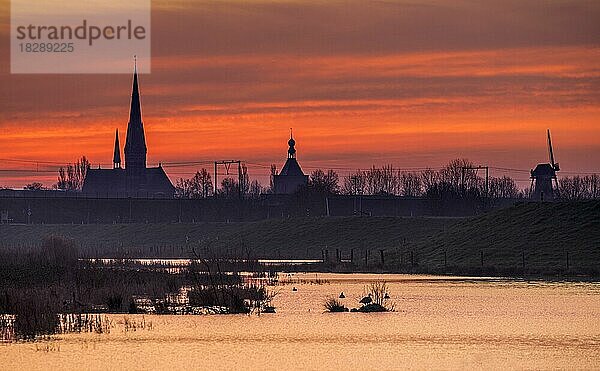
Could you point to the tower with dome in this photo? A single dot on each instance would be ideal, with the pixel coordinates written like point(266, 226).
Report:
point(291, 177)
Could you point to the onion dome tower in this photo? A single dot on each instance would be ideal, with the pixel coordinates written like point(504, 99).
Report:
point(291, 178)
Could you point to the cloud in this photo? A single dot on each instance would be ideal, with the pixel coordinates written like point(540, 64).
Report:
point(360, 81)
point(355, 26)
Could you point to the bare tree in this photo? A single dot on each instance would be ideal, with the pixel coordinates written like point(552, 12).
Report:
point(73, 176)
point(411, 184)
point(201, 184)
point(504, 187)
point(324, 182)
point(594, 186)
point(429, 179)
point(460, 176)
point(198, 186)
point(272, 178)
point(244, 180)
point(229, 188)
point(389, 180)
point(182, 188)
point(579, 188)
point(373, 180)
point(256, 189)
point(354, 184)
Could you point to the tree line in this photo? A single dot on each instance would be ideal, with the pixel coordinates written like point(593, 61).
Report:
point(70, 177)
point(456, 179)
point(200, 185)
point(579, 187)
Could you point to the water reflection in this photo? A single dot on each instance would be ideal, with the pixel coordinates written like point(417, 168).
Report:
point(439, 322)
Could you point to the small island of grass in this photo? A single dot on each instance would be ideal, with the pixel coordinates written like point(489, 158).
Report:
point(376, 299)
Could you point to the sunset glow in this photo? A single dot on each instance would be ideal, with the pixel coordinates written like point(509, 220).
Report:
point(385, 91)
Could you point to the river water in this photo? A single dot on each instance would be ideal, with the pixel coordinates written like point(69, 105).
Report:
point(439, 323)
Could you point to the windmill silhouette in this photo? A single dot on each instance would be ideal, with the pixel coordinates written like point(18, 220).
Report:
point(543, 176)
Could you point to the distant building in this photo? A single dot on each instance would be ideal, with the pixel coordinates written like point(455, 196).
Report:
point(291, 177)
point(135, 180)
point(543, 176)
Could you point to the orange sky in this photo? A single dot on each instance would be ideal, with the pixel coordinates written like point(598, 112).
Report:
point(412, 84)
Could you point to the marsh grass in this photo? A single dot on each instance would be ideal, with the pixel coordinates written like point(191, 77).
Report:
point(334, 305)
point(7, 327)
point(131, 324)
point(49, 290)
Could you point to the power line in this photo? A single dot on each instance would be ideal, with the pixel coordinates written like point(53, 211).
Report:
point(30, 161)
point(185, 164)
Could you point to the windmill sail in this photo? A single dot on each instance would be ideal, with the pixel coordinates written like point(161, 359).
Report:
point(551, 153)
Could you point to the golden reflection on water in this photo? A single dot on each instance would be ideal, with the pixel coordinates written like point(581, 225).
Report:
point(441, 323)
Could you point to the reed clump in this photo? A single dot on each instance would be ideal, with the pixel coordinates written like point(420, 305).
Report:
point(213, 288)
point(335, 306)
point(49, 289)
point(376, 299)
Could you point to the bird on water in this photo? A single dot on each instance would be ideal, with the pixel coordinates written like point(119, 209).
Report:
point(366, 300)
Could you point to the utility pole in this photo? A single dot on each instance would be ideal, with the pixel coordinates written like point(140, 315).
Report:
point(227, 165)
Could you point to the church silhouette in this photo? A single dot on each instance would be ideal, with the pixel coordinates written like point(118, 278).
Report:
point(135, 180)
point(291, 178)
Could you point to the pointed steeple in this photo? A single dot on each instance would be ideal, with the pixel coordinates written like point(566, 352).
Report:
point(117, 153)
point(135, 144)
point(135, 113)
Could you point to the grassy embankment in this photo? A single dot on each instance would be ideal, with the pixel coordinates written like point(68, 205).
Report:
point(530, 238)
point(290, 238)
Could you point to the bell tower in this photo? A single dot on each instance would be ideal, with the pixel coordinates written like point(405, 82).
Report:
point(292, 144)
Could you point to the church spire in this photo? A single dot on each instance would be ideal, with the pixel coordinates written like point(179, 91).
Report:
point(135, 143)
point(291, 143)
point(135, 112)
point(117, 153)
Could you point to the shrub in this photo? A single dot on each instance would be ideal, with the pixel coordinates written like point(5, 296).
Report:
point(334, 305)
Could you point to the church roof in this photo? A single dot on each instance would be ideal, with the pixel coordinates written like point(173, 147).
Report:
point(151, 182)
point(105, 181)
point(156, 178)
point(291, 168)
